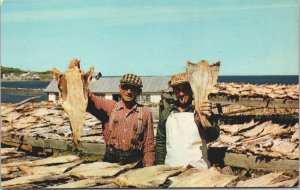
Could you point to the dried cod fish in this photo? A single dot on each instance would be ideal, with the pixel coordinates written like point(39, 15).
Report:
point(45, 161)
point(202, 78)
point(12, 155)
point(202, 178)
point(5, 129)
point(250, 90)
point(283, 147)
point(41, 112)
point(92, 121)
point(90, 182)
point(268, 180)
point(6, 171)
point(257, 129)
point(31, 179)
point(148, 177)
point(236, 128)
point(7, 151)
point(229, 139)
point(295, 136)
point(56, 169)
point(54, 120)
point(12, 116)
point(274, 130)
point(73, 89)
point(19, 126)
point(55, 160)
point(98, 169)
point(5, 110)
point(287, 183)
point(295, 154)
point(64, 130)
point(39, 128)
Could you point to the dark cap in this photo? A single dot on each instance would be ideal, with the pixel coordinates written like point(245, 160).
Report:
point(132, 79)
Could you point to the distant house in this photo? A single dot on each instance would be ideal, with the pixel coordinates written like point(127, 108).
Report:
point(108, 88)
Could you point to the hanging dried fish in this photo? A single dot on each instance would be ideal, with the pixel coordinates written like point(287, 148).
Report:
point(202, 78)
point(73, 89)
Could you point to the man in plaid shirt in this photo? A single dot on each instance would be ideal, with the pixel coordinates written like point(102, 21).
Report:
point(127, 125)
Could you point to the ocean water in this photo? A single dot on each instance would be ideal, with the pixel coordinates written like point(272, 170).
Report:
point(25, 84)
point(17, 95)
point(19, 85)
point(15, 98)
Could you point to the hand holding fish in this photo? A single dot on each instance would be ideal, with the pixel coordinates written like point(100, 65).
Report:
point(205, 109)
point(202, 77)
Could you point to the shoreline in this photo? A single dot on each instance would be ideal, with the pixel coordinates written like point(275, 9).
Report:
point(23, 91)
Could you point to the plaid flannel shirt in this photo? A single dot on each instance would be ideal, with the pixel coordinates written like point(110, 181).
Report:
point(123, 135)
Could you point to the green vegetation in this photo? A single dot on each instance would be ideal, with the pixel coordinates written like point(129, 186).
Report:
point(45, 72)
point(45, 75)
point(8, 70)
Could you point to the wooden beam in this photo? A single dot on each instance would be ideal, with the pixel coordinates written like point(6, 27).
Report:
point(27, 100)
point(21, 146)
point(55, 144)
point(260, 163)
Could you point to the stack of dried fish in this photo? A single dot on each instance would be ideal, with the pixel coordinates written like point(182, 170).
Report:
point(274, 91)
point(241, 110)
point(260, 138)
point(72, 172)
point(7, 153)
point(49, 121)
point(45, 120)
point(250, 99)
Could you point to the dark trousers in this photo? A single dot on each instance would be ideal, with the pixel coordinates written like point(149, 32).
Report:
point(123, 157)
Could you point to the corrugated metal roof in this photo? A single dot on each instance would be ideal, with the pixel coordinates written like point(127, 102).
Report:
point(111, 84)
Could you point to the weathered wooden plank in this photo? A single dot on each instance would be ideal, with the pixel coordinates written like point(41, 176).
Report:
point(24, 147)
point(259, 163)
point(255, 102)
point(27, 100)
point(93, 148)
point(65, 145)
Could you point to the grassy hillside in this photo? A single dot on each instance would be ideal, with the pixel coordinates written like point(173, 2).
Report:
point(45, 75)
point(7, 70)
point(19, 71)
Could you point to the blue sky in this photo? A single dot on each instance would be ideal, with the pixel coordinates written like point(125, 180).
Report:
point(249, 37)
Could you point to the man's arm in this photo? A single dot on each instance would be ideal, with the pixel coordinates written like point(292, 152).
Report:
point(208, 133)
point(149, 153)
point(160, 146)
point(99, 107)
